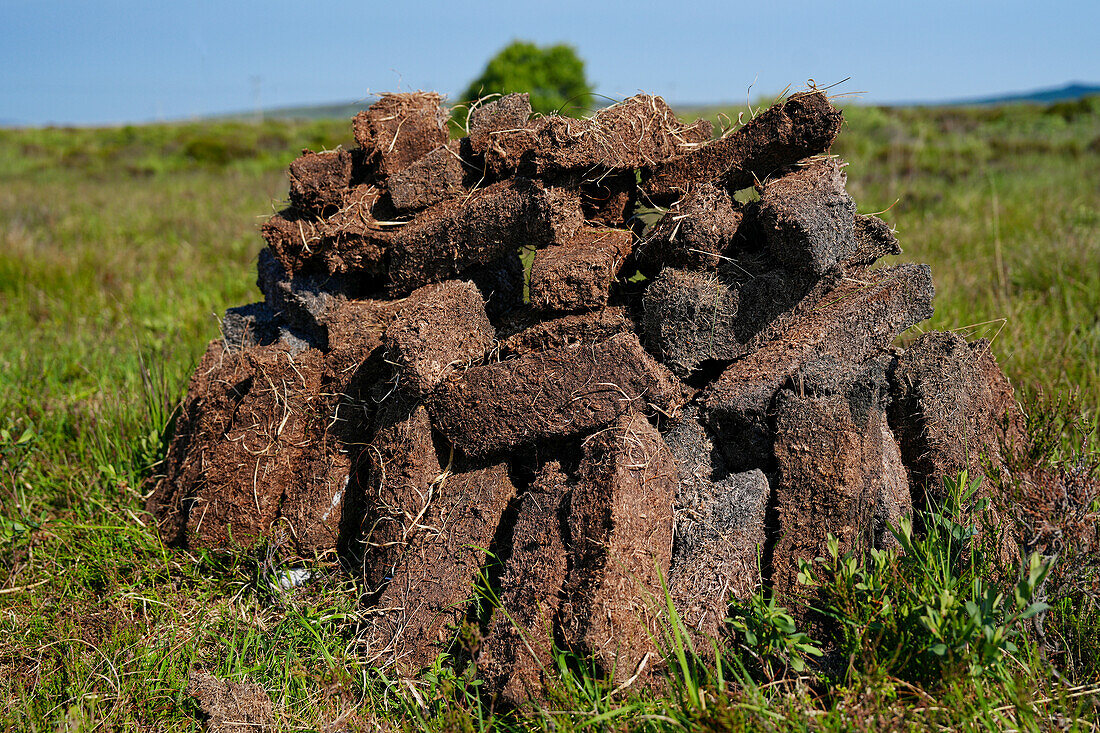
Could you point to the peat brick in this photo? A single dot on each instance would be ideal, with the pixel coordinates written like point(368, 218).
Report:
point(551, 394)
point(691, 317)
point(836, 465)
point(349, 241)
point(433, 178)
point(953, 409)
point(446, 239)
point(808, 218)
point(518, 648)
point(320, 182)
point(506, 114)
point(639, 132)
point(432, 578)
point(697, 233)
point(251, 453)
point(620, 526)
point(439, 328)
point(577, 274)
point(527, 332)
point(400, 129)
point(804, 124)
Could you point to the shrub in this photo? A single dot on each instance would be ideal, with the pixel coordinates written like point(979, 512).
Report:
point(552, 75)
point(928, 611)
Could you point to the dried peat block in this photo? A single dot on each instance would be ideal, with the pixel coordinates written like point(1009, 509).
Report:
point(691, 317)
point(231, 707)
point(517, 649)
point(719, 529)
point(433, 178)
point(620, 526)
point(507, 113)
point(639, 132)
point(696, 233)
point(251, 448)
point(577, 274)
point(552, 394)
point(804, 124)
point(853, 322)
point(835, 463)
point(874, 239)
point(452, 236)
point(400, 129)
point(808, 217)
point(953, 409)
point(245, 326)
point(439, 328)
point(895, 500)
point(310, 475)
point(352, 240)
point(300, 302)
point(437, 563)
point(402, 470)
point(528, 333)
point(320, 181)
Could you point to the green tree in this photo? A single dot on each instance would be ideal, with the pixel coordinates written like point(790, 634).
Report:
point(552, 75)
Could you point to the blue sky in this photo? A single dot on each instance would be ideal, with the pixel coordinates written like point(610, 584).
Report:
point(64, 61)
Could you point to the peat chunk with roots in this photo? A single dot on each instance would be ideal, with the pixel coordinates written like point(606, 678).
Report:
point(577, 274)
point(609, 200)
point(251, 460)
point(874, 239)
point(553, 394)
point(835, 461)
point(697, 233)
point(439, 329)
point(620, 527)
point(517, 652)
point(508, 113)
point(302, 302)
point(320, 181)
point(400, 129)
point(719, 529)
point(528, 333)
point(350, 241)
point(953, 410)
point(403, 470)
point(445, 240)
point(639, 132)
point(436, 565)
point(231, 707)
point(433, 178)
point(808, 218)
point(690, 318)
point(804, 124)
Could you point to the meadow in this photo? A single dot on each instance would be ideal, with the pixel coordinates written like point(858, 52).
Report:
point(119, 249)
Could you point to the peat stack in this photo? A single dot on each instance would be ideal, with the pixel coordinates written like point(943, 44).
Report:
point(477, 363)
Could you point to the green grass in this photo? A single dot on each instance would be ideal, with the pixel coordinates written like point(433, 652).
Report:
point(118, 249)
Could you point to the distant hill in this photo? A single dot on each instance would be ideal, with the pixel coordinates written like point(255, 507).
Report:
point(314, 112)
point(345, 110)
point(1068, 93)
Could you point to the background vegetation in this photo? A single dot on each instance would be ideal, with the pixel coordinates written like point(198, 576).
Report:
point(120, 247)
point(552, 75)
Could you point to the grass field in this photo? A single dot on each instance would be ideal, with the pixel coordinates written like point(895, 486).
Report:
point(118, 249)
